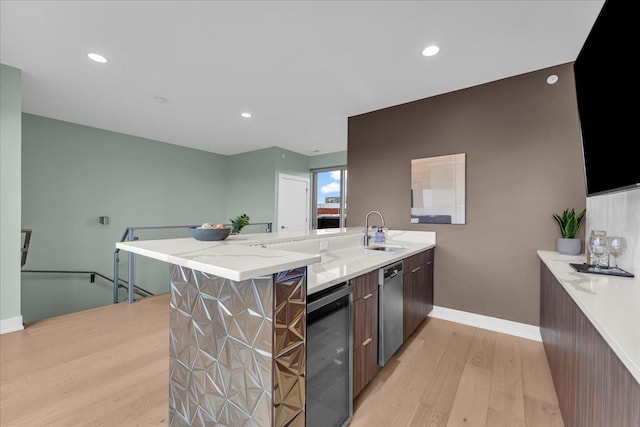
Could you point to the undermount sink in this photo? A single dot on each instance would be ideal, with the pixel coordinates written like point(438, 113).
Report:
point(387, 248)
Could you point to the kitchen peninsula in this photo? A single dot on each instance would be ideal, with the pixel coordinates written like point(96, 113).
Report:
point(237, 316)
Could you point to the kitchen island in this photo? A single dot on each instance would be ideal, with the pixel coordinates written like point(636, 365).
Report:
point(237, 317)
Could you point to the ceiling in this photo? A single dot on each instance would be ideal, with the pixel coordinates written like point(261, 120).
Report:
point(301, 68)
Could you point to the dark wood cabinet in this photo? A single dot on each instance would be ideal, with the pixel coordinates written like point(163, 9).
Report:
point(417, 304)
point(365, 329)
point(410, 299)
point(428, 296)
point(594, 387)
point(417, 285)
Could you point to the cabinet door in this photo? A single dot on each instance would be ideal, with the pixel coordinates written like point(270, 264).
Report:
point(621, 393)
point(365, 318)
point(407, 305)
point(417, 290)
point(423, 282)
point(359, 370)
point(593, 387)
point(365, 284)
point(419, 274)
point(428, 284)
point(365, 330)
point(365, 359)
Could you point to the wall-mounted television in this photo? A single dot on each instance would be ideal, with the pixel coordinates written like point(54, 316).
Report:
point(606, 86)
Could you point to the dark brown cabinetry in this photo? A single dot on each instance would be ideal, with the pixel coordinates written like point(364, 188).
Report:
point(417, 290)
point(594, 387)
point(365, 329)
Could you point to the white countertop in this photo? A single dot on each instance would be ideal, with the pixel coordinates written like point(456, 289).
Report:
point(343, 264)
point(220, 258)
point(332, 256)
point(611, 303)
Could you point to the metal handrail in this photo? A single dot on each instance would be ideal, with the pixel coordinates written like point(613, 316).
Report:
point(137, 289)
point(129, 235)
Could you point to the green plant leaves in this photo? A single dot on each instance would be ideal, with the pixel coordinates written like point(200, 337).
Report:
point(569, 222)
point(238, 223)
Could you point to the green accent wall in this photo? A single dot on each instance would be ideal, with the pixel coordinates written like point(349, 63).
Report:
point(328, 160)
point(10, 193)
point(253, 178)
point(73, 174)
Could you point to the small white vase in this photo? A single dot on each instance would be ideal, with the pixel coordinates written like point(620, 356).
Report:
point(568, 246)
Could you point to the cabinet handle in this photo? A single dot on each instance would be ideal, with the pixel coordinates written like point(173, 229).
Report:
point(416, 269)
point(366, 342)
point(367, 296)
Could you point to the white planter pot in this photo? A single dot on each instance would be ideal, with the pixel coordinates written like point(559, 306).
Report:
point(568, 246)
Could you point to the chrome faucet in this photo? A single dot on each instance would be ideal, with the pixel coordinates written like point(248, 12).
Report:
point(366, 226)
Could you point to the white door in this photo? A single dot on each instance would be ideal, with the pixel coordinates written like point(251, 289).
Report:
point(293, 203)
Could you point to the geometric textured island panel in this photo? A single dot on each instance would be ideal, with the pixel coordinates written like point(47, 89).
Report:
point(289, 347)
point(223, 367)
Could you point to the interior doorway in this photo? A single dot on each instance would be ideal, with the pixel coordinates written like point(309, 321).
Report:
point(293, 203)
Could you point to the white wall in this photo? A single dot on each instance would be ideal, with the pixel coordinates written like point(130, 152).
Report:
point(618, 214)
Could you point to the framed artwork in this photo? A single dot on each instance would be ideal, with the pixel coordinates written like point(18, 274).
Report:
point(438, 189)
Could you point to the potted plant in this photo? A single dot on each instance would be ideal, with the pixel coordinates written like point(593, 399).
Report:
point(238, 223)
point(569, 223)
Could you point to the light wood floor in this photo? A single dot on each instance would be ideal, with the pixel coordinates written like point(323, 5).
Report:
point(103, 367)
point(109, 367)
point(449, 374)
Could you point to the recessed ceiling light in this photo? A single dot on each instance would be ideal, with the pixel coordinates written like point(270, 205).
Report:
point(160, 99)
point(430, 50)
point(96, 57)
point(552, 79)
point(246, 115)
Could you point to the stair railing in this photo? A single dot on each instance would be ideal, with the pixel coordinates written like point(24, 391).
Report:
point(92, 278)
point(116, 284)
point(129, 235)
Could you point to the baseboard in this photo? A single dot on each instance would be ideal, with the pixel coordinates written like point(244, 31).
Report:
point(12, 324)
point(495, 324)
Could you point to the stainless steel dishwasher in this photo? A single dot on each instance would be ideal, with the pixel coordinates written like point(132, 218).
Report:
point(389, 311)
point(329, 400)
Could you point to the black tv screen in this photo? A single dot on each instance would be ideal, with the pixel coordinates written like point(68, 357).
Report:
point(606, 86)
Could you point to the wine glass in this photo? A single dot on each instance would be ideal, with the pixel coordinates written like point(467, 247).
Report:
point(617, 246)
point(598, 248)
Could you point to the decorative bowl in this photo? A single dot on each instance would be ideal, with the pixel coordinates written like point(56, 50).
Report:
point(210, 234)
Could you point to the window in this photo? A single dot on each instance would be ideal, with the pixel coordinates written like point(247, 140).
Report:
point(329, 205)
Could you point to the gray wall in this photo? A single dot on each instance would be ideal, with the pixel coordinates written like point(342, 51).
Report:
point(10, 193)
point(524, 163)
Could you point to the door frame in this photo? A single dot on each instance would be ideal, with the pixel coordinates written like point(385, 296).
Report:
point(307, 181)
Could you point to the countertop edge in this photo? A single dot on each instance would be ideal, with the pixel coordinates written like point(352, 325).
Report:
point(400, 255)
point(293, 260)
